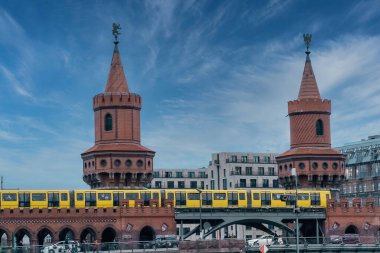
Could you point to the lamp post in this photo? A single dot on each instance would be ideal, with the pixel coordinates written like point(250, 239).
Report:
point(294, 173)
point(200, 214)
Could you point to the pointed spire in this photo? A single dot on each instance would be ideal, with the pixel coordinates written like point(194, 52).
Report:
point(309, 88)
point(117, 82)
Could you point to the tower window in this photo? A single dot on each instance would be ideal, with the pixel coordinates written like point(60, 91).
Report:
point(108, 122)
point(319, 127)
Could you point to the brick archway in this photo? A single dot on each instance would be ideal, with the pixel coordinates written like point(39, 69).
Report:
point(4, 237)
point(66, 232)
point(88, 234)
point(43, 233)
point(351, 229)
point(20, 234)
point(147, 233)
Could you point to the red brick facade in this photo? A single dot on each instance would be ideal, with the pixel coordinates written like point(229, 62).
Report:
point(316, 163)
point(118, 160)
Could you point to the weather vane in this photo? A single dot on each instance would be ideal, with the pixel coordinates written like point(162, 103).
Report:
point(116, 31)
point(307, 40)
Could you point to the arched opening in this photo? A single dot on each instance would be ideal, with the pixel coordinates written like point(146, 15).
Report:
point(319, 127)
point(108, 122)
point(44, 237)
point(3, 238)
point(66, 234)
point(147, 234)
point(351, 229)
point(22, 237)
point(88, 235)
point(109, 235)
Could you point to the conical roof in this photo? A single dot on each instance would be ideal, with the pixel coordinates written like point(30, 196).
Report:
point(309, 88)
point(117, 82)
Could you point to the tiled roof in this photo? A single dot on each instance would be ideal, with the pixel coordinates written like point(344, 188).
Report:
point(309, 88)
point(118, 147)
point(117, 82)
point(310, 151)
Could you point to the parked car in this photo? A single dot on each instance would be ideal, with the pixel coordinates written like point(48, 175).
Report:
point(61, 247)
point(351, 238)
point(265, 240)
point(165, 241)
point(336, 239)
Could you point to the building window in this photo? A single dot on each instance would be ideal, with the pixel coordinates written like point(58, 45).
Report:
point(261, 171)
point(315, 165)
point(157, 184)
point(256, 159)
point(243, 183)
point(244, 159)
point(212, 185)
point(237, 170)
point(253, 183)
point(103, 163)
point(265, 183)
point(139, 163)
point(319, 127)
point(203, 184)
point(202, 174)
point(212, 174)
point(117, 163)
point(156, 174)
point(224, 184)
point(301, 166)
point(191, 174)
point(325, 166)
point(128, 163)
point(234, 159)
point(275, 183)
point(193, 185)
point(266, 159)
point(108, 122)
point(170, 184)
point(224, 172)
point(179, 174)
point(181, 184)
point(248, 170)
point(271, 171)
point(168, 174)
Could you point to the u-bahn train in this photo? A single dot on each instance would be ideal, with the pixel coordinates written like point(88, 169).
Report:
point(180, 198)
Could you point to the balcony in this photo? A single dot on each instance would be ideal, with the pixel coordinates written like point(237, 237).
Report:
point(255, 187)
point(254, 173)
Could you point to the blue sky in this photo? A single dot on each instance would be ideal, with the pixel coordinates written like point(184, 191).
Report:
point(214, 76)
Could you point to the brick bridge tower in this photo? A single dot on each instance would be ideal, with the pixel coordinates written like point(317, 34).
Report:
point(117, 160)
point(317, 164)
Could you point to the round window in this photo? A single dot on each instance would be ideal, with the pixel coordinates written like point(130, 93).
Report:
point(325, 166)
point(128, 163)
point(301, 166)
point(139, 163)
point(335, 166)
point(315, 165)
point(117, 163)
point(103, 163)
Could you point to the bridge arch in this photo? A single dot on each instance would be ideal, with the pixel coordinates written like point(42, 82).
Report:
point(109, 234)
point(351, 229)
point(4, 237)
point(147, 233)
point(66, 232)
point(88, 234)
point(23, 236)
point(45, 235)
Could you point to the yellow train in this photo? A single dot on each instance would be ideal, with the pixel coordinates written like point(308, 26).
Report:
point(181, 198)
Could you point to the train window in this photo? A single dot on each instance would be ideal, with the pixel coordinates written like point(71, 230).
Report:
point(265, 198)
point(193, 196)
point(90, 199)
point(104, 196)
point(38, 196)
point(9, 196)
point(24, 199)
point(256, 196)
point(276, 196)
point(180, 198)
point(132, 196)
point(155, 195)
point(303, 196)
point(170, 195)
point(80, 196)
point(290, 199)
point(220, 196)
point(242, 196)
point(53, 199)
point(64, 196)
point(206, 198)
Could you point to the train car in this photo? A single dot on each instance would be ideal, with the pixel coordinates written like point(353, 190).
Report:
point(11, 199)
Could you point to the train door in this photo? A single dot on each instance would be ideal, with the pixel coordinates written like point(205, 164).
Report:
point(180, 199)
point(207, 199)
point(53, 199)
point(315, 199)
point(146, 196)
point(131, 197)
point(265, 199)
point(90, 198)
point(243, 200)
point(117, 196)
point(24, 199)
point(232, 199)
point(256, 202)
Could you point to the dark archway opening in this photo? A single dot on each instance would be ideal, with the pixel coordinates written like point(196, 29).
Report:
point(147, 234)
point(66, 234)
point(44, 236)
point(109, 235)
point(22, 237)
point(88, 235)
point(3, 238)
point(351, 229)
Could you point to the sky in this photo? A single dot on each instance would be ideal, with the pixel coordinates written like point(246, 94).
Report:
point(214, 75)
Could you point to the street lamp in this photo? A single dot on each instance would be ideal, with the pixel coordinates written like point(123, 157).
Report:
point(200, 213)
point(296, 210)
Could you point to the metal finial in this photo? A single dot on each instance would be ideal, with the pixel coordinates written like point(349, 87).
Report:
point(116, 31)
point(307, 40)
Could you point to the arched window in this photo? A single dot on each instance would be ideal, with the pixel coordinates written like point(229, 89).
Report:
point(319, 127)
point(108, 122)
